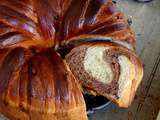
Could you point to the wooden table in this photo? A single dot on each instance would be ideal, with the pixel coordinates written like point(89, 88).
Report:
point(146, 23)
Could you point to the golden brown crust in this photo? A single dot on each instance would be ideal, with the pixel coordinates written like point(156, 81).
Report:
point(28, 19)
point(39, 88)
point(27, 91)
point(28, 24)
point(102, 18)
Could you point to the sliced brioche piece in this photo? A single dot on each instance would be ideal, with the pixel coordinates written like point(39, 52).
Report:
point(107, 69)
point(38, 87)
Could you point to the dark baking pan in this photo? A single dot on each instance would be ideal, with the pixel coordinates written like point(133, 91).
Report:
point(95, 103)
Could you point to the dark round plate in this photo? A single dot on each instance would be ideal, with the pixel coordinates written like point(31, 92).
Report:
point(95, 103)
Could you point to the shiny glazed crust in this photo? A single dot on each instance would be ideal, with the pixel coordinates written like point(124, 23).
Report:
point(26, 23)
point(38, 87)
point(31, 33)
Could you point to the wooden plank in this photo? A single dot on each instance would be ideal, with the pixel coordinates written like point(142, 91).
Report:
point(146, 22)
point(150, 106)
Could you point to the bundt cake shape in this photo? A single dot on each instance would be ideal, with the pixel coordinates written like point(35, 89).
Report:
point(36, 83)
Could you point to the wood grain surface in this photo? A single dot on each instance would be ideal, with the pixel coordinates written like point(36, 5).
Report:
point(146, 23)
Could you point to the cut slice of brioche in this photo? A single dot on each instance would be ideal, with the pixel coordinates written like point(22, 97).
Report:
point(107, 69)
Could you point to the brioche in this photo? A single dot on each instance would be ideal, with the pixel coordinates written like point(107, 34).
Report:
point(38, 87)
point(50, 50)
point(107, 69)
